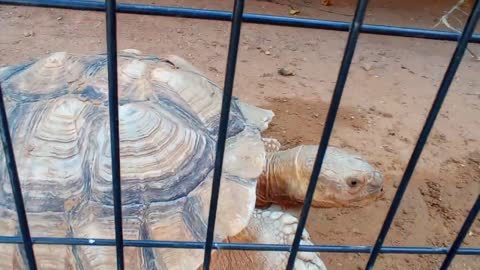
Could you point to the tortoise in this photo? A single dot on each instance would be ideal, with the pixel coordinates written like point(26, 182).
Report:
point(57, 108)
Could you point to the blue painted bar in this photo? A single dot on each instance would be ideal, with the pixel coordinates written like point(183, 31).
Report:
point(329, 122)
point(16, 187)
point(461, 234)
point(432, 115)
point(222, 130)
point(111, 18)
point(236, 246)
point(247, 17)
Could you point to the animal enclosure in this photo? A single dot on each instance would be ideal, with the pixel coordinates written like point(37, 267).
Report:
point(238, 17)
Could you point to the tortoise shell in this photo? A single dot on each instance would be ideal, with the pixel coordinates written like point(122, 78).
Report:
point(57, 109)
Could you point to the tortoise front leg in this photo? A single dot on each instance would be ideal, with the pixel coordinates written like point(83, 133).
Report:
point(266, 227)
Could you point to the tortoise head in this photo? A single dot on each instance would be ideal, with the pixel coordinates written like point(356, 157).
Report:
point(346, 180)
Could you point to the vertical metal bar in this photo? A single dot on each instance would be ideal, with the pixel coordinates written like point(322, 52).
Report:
point(432, 115)
point(114, 131)
point(222, 130)
point(461, 234)
point(16, 187)
point(329, 122)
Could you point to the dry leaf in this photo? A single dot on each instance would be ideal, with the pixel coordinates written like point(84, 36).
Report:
point(327, 2)
point(293, 11)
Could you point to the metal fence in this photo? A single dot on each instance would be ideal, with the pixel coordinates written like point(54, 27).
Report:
point(237, 17)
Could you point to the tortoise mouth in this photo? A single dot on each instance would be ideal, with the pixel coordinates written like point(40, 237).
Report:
point(357, 202)
point(364, 201)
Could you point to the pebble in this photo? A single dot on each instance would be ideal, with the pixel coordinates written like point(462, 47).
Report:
point(367, 66)
point(284, 71)
point(28, 33)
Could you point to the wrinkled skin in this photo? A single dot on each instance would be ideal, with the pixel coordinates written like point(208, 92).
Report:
point(346, 180)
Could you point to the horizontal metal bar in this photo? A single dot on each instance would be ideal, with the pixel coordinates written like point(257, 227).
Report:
point(461, 234)
point(236, 246)
point(247, 18)
point(329, 123)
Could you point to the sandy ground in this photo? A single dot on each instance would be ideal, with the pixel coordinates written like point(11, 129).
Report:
point(391, 85)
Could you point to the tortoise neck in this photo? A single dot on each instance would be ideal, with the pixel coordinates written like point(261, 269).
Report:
point(278, 175)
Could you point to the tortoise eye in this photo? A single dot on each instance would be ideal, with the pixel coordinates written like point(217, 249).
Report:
point(353, 182)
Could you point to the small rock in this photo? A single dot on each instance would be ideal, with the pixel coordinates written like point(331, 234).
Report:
point(284, 71)
point(28, 33)
point(395, 184)
point(315, 115)
point(367, 66)
point(179, 31)
point(59, 18)
point(268, 52)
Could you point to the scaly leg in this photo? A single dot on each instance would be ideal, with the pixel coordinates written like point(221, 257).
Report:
point(267, 227)
point(271, 144)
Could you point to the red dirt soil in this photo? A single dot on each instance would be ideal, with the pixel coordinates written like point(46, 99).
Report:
point(392, 83)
